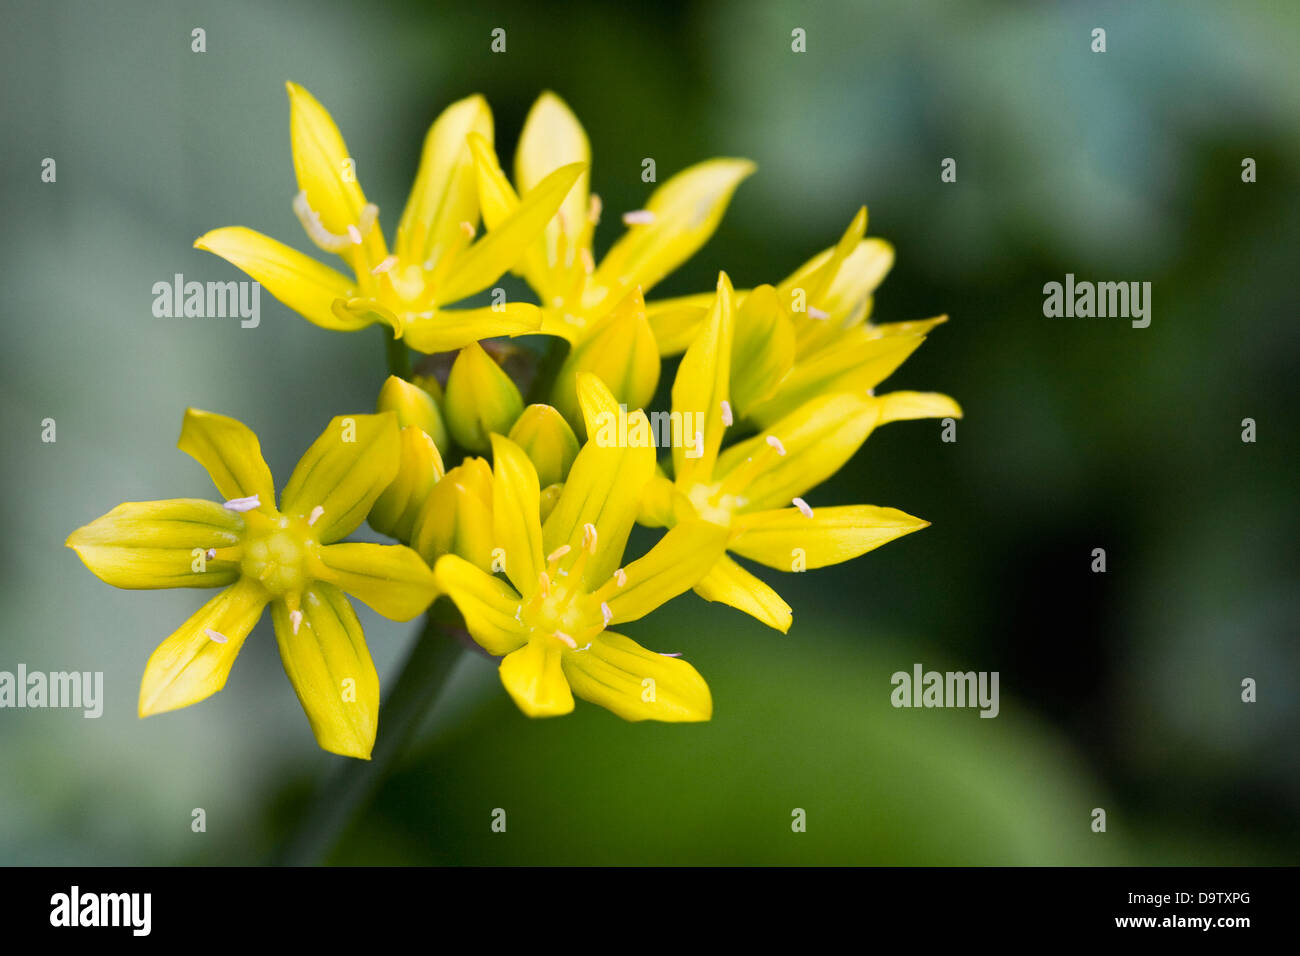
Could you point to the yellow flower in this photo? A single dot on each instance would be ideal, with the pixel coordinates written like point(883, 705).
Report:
point(568, 587)
point(435, 261)
point(754, 488)
point(577, 295)
point(809, 336)
point(286, 557)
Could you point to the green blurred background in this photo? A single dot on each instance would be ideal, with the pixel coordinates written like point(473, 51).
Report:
point(1119, 690)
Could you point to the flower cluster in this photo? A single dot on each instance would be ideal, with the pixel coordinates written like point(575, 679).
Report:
point(774, 392)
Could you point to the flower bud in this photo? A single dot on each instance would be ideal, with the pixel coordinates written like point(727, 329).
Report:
point(481, 399)
point(415, 405)
point(547, 440)
point(456, 517)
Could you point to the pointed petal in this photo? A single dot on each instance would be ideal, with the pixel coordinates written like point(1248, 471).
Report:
point(299, 281)
point(390, 579)
point(603, 488)
point(676, 322)
point(230, 453)
point(656, 510)
point(907, 406)
point(552, 137)
point(489, 605)
point(321, 161)
point(703, 384)
point(445, 193)
point(355, 458)
point(830, 536)
point(729, 583)
point(535, 679)
point(329, 665)
point(516, 514)
point(622, 676)
point(548, 441)
point(395, 510)
point(686, 210)
point(818, 438)
point(502, 248)
point(447, 329)
point(673, 566)
point(456, 518)
point(153, 544)
point(190, 665)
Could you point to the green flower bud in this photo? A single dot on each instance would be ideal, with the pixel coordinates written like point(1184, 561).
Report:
point(547, 440)
point(414, 405)
point(481, 399)
point(456, 517)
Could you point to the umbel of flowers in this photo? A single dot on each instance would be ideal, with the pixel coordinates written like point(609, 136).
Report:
point(520, 514)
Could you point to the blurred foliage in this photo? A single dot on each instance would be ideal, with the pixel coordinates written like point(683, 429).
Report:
point(1119, 690)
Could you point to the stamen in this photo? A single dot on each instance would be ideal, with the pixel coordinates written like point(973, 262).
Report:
point(638, 217)
point(215, 635)
point(315, 515)
point(802, 505)
point(816, 313)
point(673, 654)
point(588, 263)
point(468, 229)
point(558, 553)
point(544, 584)
point(212, 554)
point(589, 537)
point(385, 265)
point(620, 577)
point(594, 208)
point(776, 444)
point(355, 234)
point(727, 418)
point(243, 504)
point(606, 613)
point(566, 639)
point(295, 617)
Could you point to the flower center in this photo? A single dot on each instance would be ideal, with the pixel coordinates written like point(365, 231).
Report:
point(279, 555)
point(561, 609)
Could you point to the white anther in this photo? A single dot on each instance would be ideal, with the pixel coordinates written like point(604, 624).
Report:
point(727, 418)
point(385, 265)
point(467, 228)
point(620, 577)
point(589, 537)
point(315, 515)
point(212, 554)
point(606, 613)
point(355, 234)
point(816, 313)
point(776, 445)
point(594, 207)
point(558, 553)
point(215, 635)
point(673, 654)
point(638, 217)
point(295, 618)
point(243, 504)
point(588, 263)
point(566, 639)
point(802, 505)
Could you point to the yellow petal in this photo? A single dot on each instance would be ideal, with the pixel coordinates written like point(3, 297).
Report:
point(552, 137)
point(389, 578)
point(686, 210)
point(489, 605)
point(516, 508)
point(674, 565)
point(535, 680)
point(499, 202)
point(763, 350)
point(161, 544)
point(818, 439)
point(456, 518)
point(322, 163)
point(548, 441)
point(656, 510)
point(395, 510)
point(702, 385)
point(911, 327)
point(622, 676)
point(299, 281)
point(603, 488)
point(191, 664)
point(907, 406)
point(502, 248)
point(445, 193)
point(728, 583)
point(786, 537)
point(676, 322)
point(331, 671)
point(355, 458)
point(231, 454)
point(481, 399)
point(621, 352)
point(444, 330)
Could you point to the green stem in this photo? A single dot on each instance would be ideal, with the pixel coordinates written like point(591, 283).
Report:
point(350, 789)
point(399, 356)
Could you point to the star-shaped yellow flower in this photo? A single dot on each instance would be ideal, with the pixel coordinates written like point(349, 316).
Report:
point(435, 261)
point(551, 627)
point(286, 557)
point(754, 488)
point(578, 295)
